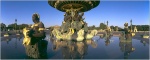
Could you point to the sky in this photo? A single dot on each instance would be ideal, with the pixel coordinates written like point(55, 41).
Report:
point(115, 12)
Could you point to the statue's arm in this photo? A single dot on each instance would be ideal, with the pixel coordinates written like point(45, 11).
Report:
point(41, 31)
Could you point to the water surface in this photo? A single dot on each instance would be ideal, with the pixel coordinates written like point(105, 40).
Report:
point(98, 48)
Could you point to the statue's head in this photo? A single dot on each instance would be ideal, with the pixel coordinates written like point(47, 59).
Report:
point(35, 17)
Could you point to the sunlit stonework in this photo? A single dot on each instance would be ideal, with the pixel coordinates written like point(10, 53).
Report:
point(73, 26)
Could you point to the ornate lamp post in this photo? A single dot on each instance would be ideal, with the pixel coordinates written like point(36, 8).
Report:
point(131, 24)
point(107, 23)
point(107, 26)
point(16, 25)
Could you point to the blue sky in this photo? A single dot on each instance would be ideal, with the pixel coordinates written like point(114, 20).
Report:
point(116, 12)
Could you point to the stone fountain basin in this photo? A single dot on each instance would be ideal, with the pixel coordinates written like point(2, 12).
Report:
point(61, 5)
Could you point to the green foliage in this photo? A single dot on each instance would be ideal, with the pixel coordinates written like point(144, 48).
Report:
point(112, 27)
point(140, 27)
point(91, 27)
point(16, 27)
point(11, 26)
point(116, 28)
point(22, 26)
point(102, 26)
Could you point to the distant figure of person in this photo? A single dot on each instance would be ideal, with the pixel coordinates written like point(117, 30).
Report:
point(37, 48)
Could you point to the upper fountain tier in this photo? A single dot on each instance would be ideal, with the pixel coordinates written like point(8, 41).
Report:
point(80, 5)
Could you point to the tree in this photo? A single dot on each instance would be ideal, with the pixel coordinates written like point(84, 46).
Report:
point(90, 27)
point(21, 26)
point(102, 26)
point(141, 27)
point(112, 27)
point(116, 28)
point(11, 26)
point(93, 27)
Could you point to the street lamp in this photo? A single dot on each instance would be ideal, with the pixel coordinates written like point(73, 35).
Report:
point(107, 23)
point(16, 25)
point(131, 24)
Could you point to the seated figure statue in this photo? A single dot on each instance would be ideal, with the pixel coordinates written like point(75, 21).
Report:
point(34, 49)
point(66, 23)
point(128, 35)
point(76, 24)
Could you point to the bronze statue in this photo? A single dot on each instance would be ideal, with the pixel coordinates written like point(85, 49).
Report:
point(85, 27)
point(81, 22)
point(81, 16)
point(75, 21)
point(35, 49)
point(66, 23)
point(128, 35)
point(78, 22)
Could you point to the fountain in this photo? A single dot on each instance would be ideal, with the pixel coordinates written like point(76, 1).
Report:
point(73, 27)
